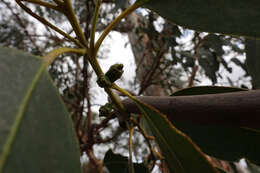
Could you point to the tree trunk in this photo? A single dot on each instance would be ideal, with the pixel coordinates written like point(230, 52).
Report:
point(141, 47)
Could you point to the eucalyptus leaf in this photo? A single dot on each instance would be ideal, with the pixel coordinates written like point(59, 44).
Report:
point(117, 163)
point(226, 143)
point(215, 42)
point(208, 61)
point(36, 132)
point(241, 64)
point(233, 17)
point(180, 153)
point(201, 90)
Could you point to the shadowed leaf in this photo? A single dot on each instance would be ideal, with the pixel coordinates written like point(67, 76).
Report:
point(117, 163)
point(181, 154)
point(36, 133)
point(226, 143)
point(234, 17)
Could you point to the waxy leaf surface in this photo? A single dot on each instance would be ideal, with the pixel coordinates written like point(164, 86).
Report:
point(36, 132)
point(232, 17)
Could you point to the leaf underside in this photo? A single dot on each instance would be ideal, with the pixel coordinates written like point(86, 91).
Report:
point(42, 138)
point(180, 153)
point(226, 143)
point(232, 17)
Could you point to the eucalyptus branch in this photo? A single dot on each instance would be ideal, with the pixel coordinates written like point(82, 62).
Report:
point(93, 29)
point(104, 123)
point(71, 16)
point(51, 56)
point(45, 22)
point(115, 99)
point(147, 138)
point(45, 4)
point(94, 160)
point(124, 92)
point(130, 143)
point(128, 11)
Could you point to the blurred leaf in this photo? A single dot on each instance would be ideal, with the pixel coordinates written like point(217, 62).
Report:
point(200, 90)
point(234, 44)
point(187, 59)
point(215, 42)
point(36, 133)
point(120, 4)
point(226, 143)
point(180, 153)
point(241, 64)
point(228, 17)
point(253, 61)
point(221, 170)
point(117, 163)
point(208, 61)
point(252, 168)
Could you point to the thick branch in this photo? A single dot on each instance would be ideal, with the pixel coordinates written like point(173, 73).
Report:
point(230, 109)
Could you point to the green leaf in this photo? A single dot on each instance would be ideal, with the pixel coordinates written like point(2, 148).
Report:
point(208, 61)
point(253, 61)
point(233, 17)
point(181, 154)
point(226, 143)
point(214, 42)
point(117, 163)
point(36, 133)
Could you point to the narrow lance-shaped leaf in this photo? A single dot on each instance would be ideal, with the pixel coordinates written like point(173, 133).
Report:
point(233, 17)
point(36, 133)
point(227, 143)
point(117, 163)
point(181, 154)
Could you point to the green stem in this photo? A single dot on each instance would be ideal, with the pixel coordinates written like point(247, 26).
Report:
point(114, 23)
point(115, 99)
point(93, 30)
point(51, 56)
point(114, 86)
point(69, 12)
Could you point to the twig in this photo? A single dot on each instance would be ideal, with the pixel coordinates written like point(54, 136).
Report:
point(130, 147)
point(128, 11)
point(95, 19)
point(71, 16)
point(45, 22)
